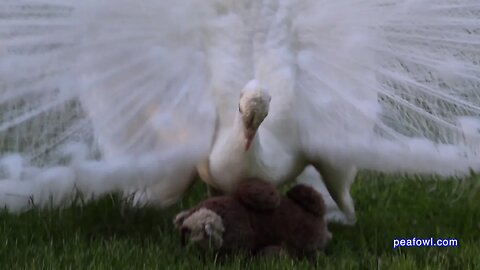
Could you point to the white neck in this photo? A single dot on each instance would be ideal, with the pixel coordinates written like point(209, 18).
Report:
point(266, 158)
point(230, 163)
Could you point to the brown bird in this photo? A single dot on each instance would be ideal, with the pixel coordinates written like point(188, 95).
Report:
point(256, 218)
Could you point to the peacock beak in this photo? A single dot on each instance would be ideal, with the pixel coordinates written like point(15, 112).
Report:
point(249, 135)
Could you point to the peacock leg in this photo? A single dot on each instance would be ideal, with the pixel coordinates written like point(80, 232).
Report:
point(338, 181)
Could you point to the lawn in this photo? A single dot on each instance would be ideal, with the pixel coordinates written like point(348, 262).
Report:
point(108, 234)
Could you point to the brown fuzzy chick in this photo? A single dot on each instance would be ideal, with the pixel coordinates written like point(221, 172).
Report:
point(256, 218)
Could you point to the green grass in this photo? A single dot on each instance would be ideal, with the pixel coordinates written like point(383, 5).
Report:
point(107, 234)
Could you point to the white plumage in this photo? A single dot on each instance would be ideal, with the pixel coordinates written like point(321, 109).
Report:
point(387, 85)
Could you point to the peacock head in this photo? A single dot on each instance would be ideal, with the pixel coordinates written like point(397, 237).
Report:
point(253, 108)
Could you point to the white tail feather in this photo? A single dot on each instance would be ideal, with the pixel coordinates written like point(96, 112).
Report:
point(171, 172)
point(129, 77)
point(413, 156)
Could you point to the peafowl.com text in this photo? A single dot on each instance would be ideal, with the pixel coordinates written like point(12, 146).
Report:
point(424, 242)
